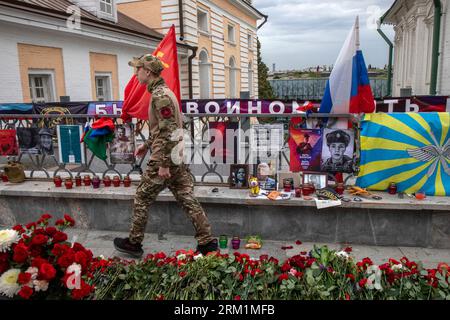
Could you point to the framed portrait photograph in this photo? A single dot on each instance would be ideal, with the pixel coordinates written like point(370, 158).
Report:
point(239, 174)
point(121, 149)
point(337, 150)
point(318, 179)
point(69, 147)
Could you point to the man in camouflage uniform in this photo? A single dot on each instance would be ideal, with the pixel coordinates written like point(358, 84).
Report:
point(165, 167)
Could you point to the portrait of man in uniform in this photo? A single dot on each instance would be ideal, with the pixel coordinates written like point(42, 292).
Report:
point(46, 141)
point(122, 147)
point(28, 140)
point(337, 151)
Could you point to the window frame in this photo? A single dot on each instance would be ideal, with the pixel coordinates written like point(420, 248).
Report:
point(49, 91)
point(232, 41)
point(108, 87)
point(206, 13)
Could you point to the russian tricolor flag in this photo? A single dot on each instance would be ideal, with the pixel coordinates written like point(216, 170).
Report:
point(348, 89)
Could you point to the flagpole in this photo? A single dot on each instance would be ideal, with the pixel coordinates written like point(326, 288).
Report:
point(358, 43)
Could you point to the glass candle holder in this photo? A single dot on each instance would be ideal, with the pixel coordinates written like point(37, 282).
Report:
point(87, 180)
point(96, 182)
point(223, 242)
point(298, 192)
point(78, 181)
point(68, 183)
point(392, 188)
point(236, 243)
point(126, 181)
point(107, 181)
point(57, 181)
point(340, 188)
point(116, 181)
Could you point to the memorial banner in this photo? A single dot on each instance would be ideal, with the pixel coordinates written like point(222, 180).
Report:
point(62, 109)
point(107, 107)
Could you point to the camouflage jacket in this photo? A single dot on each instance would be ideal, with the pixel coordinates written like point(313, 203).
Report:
point(165, 120)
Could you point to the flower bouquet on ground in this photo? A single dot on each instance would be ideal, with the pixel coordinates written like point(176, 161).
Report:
point(37, 262)
point(254, 242)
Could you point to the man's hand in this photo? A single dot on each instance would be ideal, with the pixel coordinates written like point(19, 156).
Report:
point(141, 151)
point(164, 173)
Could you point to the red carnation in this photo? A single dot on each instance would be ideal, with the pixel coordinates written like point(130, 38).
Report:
point(47, 272)
point(362, 282)
point(37, 262)
point(273, 260)
point(77, 247)
point(46, 216)
point(350, 276)
point(19, 229)
point(84, 291)
point(69, 219)
point(160, 255)
point(60, 222)
point(237, 297)
point(39, 240)
point(24, 278)
point(285, 267)
point(35, 251)
point(264, 257)
point(31, 225)
point(51, 231)
point(81, 259)
point(26, 292)
point(20, 253)
point(66, 260)
point(59, 237)
point(60, 249)
point(284, 276)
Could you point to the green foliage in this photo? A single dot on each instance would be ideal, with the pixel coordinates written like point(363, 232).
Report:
point(264, 89)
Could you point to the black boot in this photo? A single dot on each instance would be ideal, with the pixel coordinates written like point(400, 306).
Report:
point(125, 246)
point(209, 247)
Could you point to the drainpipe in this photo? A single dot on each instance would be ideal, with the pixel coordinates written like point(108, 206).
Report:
point(391, 50)
point(192, 56)
point(265, 20)
point(181, 15)
point(436, 42)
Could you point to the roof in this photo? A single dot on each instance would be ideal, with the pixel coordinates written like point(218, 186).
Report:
point(385, 19)
point(249, 4)
point(59, 7)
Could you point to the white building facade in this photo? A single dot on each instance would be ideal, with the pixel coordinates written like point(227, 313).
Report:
point(413, 22)
point(44, 57)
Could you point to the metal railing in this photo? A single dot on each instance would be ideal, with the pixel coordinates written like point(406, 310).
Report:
point(196, 126)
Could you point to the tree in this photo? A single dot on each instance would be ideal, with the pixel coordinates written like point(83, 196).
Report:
point(264, 88)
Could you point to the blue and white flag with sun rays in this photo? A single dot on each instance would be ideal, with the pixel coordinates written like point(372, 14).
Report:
point(410, 149)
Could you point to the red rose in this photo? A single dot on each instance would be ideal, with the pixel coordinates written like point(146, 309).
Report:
point(24, 278)
point(284, 276)
point(26, 292)
point(51, 231)
point(46, 216)
point(20, 253)
point(69, 219)
point(264, 257)
point(39, 240)
point(84, 291)
point(160, 255)
point(60, 222)
point(66, 260)
point(274, 260)
point(37, 262)
point(35, 251)
point(59, 237)
point(47, 272)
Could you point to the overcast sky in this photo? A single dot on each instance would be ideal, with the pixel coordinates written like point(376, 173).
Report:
point(304, 33)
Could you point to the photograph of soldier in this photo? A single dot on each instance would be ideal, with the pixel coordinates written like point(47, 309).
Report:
point(337, 151)
point(305, 147)
point(319, 180)
point(165, 167)
point(46, 141)
point(28, 140)
point(239, 176)
point(122, 147)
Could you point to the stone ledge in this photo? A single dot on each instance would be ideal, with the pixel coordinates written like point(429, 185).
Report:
point(46, 189)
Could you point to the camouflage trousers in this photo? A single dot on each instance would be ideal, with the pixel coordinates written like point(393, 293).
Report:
point(182, 186)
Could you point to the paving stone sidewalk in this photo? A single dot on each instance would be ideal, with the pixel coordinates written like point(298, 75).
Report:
point(100, 242)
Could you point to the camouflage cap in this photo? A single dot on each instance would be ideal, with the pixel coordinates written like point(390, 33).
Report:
point(149, 62)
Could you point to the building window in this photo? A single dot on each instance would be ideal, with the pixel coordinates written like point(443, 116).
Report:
point(233, 80)
point(106, 6)
point(103, 87)
point(231, 34)
point(202, 20)
point(250, 42)
point(41, 87)
point(205, 79)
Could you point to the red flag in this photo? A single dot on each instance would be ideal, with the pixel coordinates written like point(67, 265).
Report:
point(137, 98)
